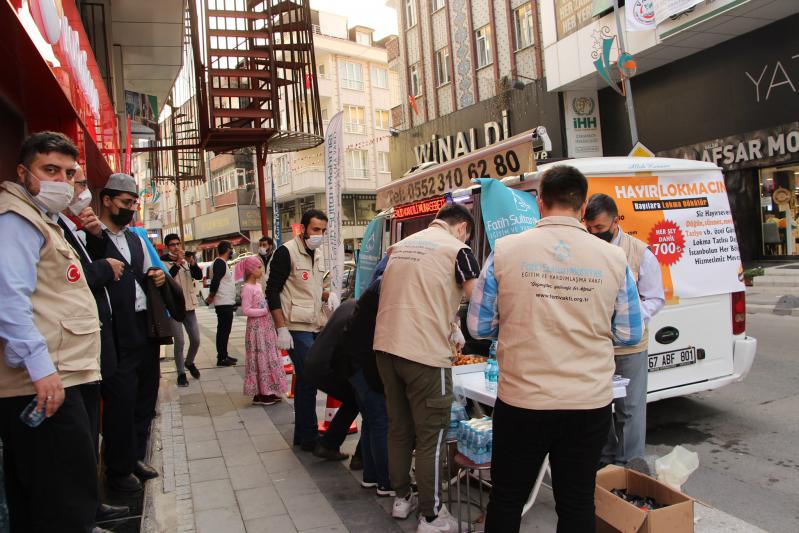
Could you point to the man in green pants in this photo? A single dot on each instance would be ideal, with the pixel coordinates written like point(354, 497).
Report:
point(427, 275)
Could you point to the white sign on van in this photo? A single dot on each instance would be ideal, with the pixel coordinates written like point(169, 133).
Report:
point(583, 129)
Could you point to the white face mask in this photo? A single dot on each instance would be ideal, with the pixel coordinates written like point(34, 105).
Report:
point(263, 251)
point(81, 202)
point(313, 242)
point(55, 196)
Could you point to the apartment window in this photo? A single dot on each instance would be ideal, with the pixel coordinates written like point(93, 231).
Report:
point(410, 13)
point(363, 38)
point(281, 170)
point(379, 78)
point(381, 119)
point(523, 26)
point(323, 112)
point(356, 164)
point(354, 119)
point(416, 86)
point(442, 66)
point(382, 162)
point(352, 75)
point(436, 5)
point(482, 39)
point(321, 71)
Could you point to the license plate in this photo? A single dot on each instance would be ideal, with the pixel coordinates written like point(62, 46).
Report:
point(665, 360)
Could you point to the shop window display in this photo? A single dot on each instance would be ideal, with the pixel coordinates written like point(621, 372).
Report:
point(779, 197)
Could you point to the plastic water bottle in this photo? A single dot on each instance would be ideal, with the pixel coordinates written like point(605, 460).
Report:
point(492, 375)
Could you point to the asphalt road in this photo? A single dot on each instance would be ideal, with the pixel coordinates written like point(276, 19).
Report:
point(746, 434)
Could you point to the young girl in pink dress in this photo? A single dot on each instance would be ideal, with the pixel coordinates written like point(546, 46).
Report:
point(264, 378)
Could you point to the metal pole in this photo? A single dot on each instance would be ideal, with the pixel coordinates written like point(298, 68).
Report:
point(260, 159)
point(628, 91)
point(176, 168)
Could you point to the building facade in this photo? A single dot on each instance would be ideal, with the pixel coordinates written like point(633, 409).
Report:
point(465, 65)
point(719, 82)
point(354, 77)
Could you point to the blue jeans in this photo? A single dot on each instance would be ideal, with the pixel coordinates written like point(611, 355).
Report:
point(305, 422)
point(374, 431)
point(627, 439)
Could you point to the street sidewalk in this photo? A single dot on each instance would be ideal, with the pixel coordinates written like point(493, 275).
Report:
point(228, 466)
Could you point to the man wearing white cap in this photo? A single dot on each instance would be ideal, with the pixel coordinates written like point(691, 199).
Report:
point(129, 395)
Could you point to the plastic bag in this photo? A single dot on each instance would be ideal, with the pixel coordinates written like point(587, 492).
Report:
point(675, 467)
point(457, 412)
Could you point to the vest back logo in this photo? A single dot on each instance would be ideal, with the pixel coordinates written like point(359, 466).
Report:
point(73, 273)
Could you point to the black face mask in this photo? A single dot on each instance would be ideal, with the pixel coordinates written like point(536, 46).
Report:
point(123, 218)
point(606, 236)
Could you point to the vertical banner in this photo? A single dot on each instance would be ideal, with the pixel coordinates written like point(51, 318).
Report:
point(128, 145)
point(505, 211)
point(277, 232)
point(685, 219)
point(334, 157)
point(583, 129)
point(370, 254)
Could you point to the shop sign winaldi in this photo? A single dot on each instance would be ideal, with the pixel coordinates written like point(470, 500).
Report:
point(61, 37)
point(419, 209)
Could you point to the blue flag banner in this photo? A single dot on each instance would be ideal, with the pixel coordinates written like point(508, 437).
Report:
point(370, 254)
point(505, 211)
point(154, 258)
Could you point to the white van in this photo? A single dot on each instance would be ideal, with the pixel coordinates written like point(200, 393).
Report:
point(695, 343)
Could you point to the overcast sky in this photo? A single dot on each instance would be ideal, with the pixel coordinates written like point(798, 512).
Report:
point(371, 13)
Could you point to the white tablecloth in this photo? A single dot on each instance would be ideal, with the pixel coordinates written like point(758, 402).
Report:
point(474, 386)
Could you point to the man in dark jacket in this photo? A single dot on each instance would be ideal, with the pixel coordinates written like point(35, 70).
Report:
point(98, 275)
point(130, 396)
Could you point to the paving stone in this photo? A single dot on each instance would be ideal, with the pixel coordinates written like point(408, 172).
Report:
point(293, 483)
point(234, 436)
point(203, 450)
point(275, 524)
point(322, 515)
point(280, 461)
point(269, 443)
point(196, 421)
point(207, 469)
point(227, 423)
point(195, 409)
point(259, 502)
point(328, 529)
point(240, 454)
point(225, 520)
point(213, 495)
point(199, 434)
point(249, 477)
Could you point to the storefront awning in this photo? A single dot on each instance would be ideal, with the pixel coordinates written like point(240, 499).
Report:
point(235, 241)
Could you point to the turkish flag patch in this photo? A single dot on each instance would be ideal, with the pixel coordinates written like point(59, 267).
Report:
point(305, 276)
point(73, 273)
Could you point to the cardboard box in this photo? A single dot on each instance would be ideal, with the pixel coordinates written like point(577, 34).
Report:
point(615, 514)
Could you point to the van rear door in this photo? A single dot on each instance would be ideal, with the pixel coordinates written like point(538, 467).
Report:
point(690, 342)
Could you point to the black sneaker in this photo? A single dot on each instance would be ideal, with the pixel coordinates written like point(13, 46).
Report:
point(182, 381)
point(227, 361)
point(328, 454)
point(385, 492)
point(193, 370)
point(233, 359)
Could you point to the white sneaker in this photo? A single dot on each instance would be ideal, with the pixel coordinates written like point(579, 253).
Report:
point(444, 523)
point(405, 506)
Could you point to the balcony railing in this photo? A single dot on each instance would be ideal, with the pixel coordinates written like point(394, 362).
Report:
point(355, 85)
point(359, 173)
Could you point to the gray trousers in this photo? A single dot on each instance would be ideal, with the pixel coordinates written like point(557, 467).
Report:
point(627, 439)
point(193, 329)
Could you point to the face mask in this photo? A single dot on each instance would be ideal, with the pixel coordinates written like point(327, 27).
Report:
point(123, 218)
point(55, 196)
point(313, 242)
point(263, 251)
point(606, 236)
point(233, 255)
point(81, 202)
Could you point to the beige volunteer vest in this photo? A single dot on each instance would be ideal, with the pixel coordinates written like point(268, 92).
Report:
point(301, 299)
point(64, 310)
point(419, 297)
point(186, 283)
point(634, 250)
point(557, 292)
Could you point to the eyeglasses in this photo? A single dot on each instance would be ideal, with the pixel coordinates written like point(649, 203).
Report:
point(128, 203)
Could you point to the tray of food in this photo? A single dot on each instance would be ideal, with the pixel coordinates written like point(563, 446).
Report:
point(466, 364)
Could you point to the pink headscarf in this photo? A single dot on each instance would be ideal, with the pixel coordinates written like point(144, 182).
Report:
point(251, 264)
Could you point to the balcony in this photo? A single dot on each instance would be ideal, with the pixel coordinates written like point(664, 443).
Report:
point(355, 85)
point(357, 173)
